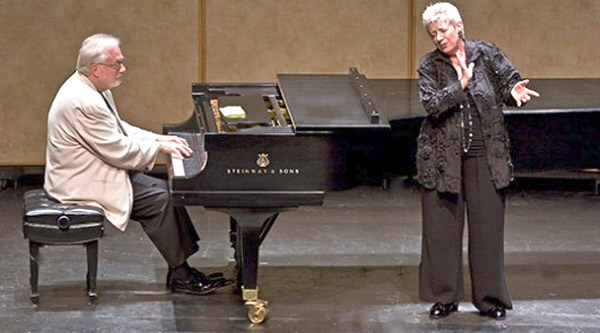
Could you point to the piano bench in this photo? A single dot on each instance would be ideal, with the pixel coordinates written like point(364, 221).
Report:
point(48, 222)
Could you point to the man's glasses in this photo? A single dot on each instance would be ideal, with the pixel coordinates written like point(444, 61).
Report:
point(115, 66)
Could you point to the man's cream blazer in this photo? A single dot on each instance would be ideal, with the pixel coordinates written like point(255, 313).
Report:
point(88, 157)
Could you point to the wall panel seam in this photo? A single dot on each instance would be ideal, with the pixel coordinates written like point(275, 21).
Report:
point(202, 40)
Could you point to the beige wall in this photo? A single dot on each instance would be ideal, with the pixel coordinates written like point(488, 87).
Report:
point(39, 41)
point(170, 43)
point(543, 38)
point(255, 40)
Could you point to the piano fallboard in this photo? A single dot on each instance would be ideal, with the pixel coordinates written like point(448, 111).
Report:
point(267, 163)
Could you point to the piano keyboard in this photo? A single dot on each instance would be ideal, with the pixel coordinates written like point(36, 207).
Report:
point(195, 163)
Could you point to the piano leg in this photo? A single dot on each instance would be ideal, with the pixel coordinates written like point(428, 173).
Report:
point(233, 242)
point(267, 227)
point(249, 227)
point(233, 231)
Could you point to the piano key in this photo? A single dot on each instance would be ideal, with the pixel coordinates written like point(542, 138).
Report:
point(178, 169)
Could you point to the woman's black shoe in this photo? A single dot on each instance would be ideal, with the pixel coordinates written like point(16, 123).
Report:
point(498, 312)
point(439, 310)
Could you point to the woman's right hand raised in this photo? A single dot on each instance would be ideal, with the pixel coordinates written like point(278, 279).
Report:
point(464, 72)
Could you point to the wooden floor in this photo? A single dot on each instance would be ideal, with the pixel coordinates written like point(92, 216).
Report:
point(348, 266)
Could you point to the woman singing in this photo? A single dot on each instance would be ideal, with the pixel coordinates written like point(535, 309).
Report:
point(463, 161)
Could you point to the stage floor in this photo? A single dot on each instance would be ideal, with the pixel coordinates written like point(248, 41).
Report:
point(350, 265)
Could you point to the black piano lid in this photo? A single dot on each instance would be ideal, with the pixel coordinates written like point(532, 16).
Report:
point(320, 102)
point(399, 98)
point(562, 96)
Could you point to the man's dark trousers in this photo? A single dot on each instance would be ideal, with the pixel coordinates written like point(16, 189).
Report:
point(169, 228)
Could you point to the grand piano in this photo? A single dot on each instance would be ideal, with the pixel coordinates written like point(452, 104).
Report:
point(262, 149)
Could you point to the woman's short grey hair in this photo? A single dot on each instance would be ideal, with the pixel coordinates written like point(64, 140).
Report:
point(440, 11)
point(92, 51)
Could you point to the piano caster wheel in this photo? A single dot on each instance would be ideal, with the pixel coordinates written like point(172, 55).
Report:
point(257, 311)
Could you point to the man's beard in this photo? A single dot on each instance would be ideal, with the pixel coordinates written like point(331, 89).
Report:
point(116, 83)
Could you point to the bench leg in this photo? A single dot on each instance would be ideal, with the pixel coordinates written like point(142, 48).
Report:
point(92, 262)
point(34, 254)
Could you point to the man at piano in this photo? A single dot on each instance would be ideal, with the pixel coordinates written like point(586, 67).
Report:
point(463, 160)
point(95, 158)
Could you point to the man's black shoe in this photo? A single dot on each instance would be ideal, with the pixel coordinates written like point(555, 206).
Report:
point(194, 287)
point(216, 276)
point(439, 310)
point(498, 312)
point(198, 276)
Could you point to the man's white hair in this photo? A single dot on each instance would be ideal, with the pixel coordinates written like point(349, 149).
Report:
point(441, 11)
point(92, 51)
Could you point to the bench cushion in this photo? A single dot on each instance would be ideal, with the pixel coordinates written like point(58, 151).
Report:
point(48, 221)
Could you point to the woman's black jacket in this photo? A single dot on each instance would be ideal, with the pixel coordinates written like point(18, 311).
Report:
point(439, 142)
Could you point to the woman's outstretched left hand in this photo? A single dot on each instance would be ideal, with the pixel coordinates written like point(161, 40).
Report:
point(521, 94)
